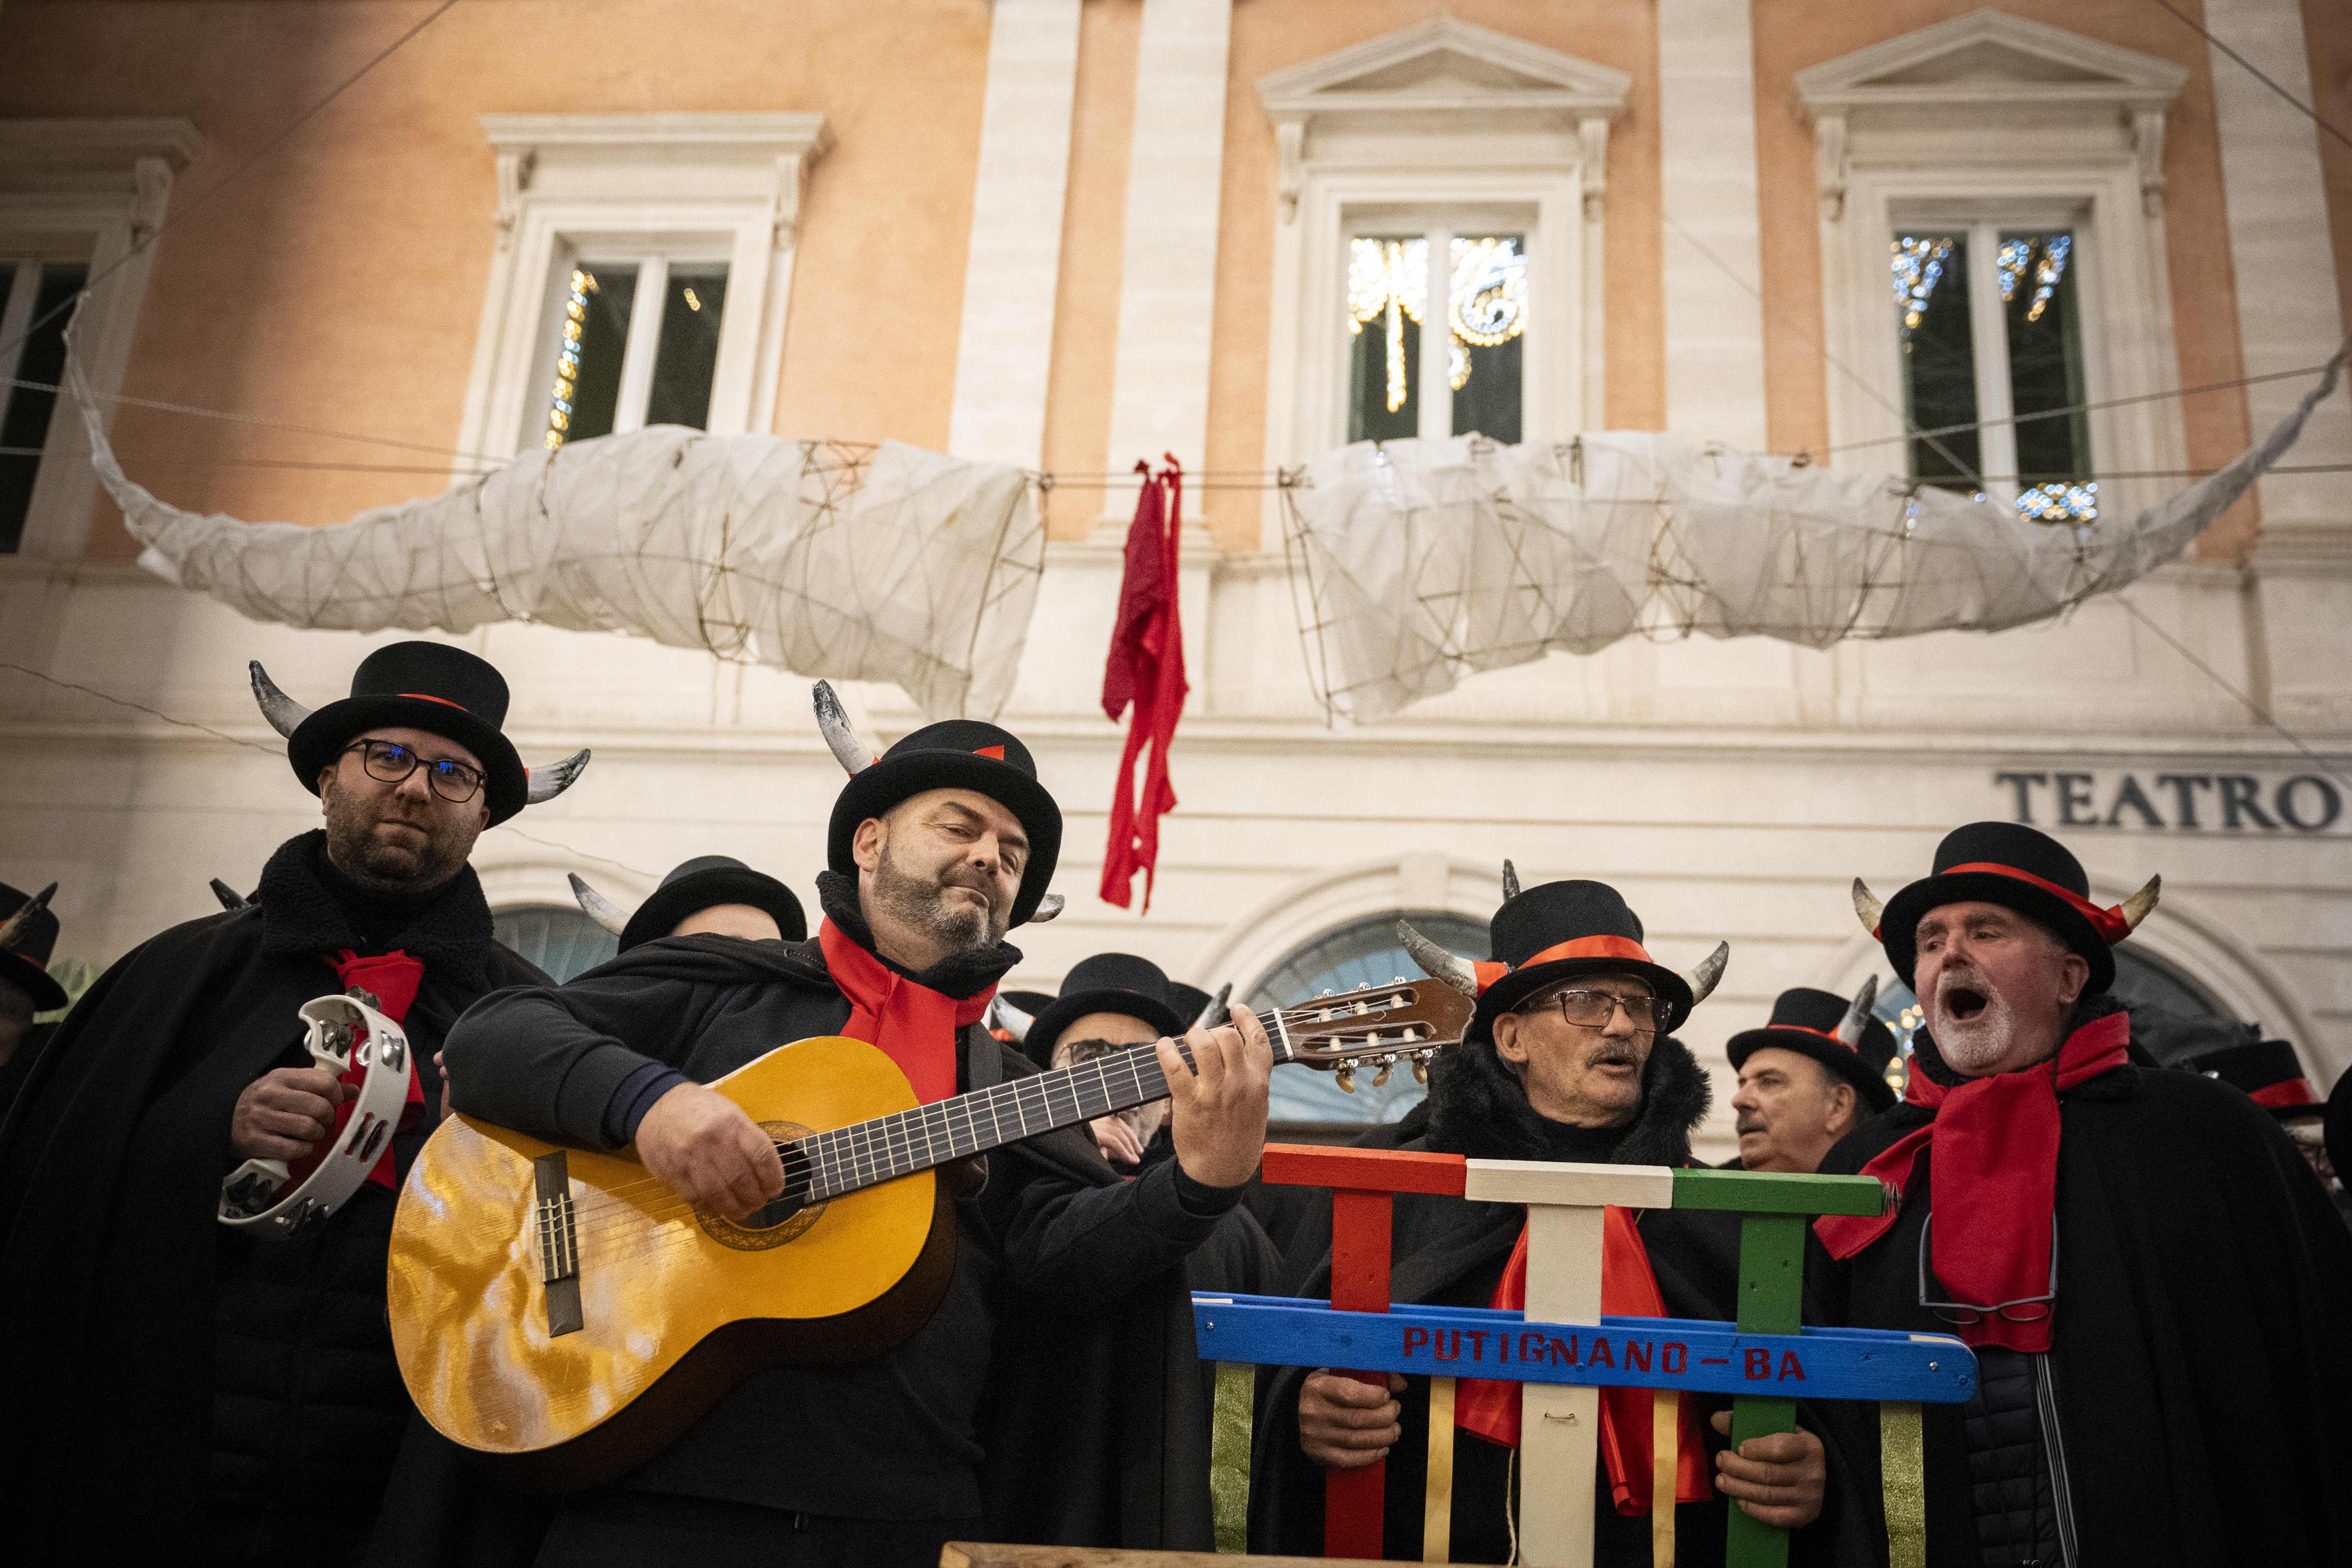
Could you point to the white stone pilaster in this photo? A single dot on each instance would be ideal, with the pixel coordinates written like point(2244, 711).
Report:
point(1004, 351)
point(1706, 121)
point(1159, 394)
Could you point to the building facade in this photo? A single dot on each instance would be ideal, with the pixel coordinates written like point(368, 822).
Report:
point(1073, 234)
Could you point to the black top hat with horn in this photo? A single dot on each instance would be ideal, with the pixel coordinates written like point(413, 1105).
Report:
point(2268, 1071)
point(1108, 982)
point(426, 686)
point(706, 880)
point(28, 935)
point(1556, 931)
point(955, 753)
point(2018, 867)
point(1817, 1024)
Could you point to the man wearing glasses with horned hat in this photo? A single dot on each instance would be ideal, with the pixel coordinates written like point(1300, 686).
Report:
point(2155, 1287)
point(178, 1388)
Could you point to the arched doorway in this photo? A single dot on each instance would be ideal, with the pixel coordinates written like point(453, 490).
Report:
point(564, 942)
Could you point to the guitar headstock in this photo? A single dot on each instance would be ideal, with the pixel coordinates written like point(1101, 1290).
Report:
point(1403, 1021)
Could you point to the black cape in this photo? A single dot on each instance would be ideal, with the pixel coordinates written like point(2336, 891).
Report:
point(1451, 1252)
point(110, 1166)
point(2203, 1337)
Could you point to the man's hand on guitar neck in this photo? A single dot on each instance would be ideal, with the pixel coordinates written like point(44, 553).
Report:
point(706, 1149)
point(1219, 1111)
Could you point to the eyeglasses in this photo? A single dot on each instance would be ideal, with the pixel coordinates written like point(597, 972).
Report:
point(389, 762)
point(1594, 1009)
point(2024, 1310)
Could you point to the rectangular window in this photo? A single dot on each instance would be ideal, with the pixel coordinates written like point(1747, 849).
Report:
point(634, 342)
point(1992, 339)
point(1467, 378)
point(37, 305)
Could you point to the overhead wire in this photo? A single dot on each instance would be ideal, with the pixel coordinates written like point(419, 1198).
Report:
point(2255, 71)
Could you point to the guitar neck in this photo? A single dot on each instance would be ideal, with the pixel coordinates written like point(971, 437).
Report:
point(867, 1153)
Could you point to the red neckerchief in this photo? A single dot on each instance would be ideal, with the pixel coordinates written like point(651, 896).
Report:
point(912, 1025)
point(391, 979)
point(1490, 1407)
point(1996, 1179)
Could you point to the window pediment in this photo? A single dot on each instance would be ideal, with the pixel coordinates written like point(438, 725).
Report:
point(1444, 64)
point(1990, 59)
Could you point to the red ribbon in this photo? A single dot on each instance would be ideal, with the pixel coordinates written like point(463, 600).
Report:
point(391, 979)
point(2109, 923)
point(1145, 671)
point(2290, 1092)
point(912, 1025)
point(1578, 947)
point(1997, 1176)
point(1490, 1407)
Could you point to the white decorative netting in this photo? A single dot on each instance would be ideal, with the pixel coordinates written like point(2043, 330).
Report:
point(851, 562)
point(1424, 562)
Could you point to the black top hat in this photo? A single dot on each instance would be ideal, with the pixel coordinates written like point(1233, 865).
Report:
point(705, 881)
point(1806, 1021)
point(955, 753)
point(2019, 868)
point(426, 686)
point(2267, 1071)
point(1107, 983)
point(1557, 930)
point(24, 962)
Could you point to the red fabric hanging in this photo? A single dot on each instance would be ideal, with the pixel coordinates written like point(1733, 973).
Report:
point(1490, 1407)
point(1145, 670)
point(393, 979)
point(912, 1025)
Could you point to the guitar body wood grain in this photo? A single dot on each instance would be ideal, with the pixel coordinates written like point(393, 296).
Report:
point(676, 1307)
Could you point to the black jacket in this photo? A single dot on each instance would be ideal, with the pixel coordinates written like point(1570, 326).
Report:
point(1086, 1425)
point(237, 1378)
point(2202, 1333)
point(1451, 1252)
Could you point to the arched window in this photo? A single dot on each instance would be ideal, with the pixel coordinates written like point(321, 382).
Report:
point(1361, 953)
point(564, 942)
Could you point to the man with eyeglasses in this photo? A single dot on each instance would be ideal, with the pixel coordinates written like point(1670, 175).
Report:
point(177, 1390)
point(2154, 1288)
point(1570, 1056)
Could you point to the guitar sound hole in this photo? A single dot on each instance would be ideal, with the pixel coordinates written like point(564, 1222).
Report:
point(787, 1216)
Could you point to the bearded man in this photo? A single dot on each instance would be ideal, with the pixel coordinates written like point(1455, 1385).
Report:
point(937, 851)
point(1803, 1082)
point(2153, 1285)
point(1570, 1056)
point(248, 1383)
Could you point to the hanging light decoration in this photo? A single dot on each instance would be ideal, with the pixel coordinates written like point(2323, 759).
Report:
point(1388, 277)
point(1918, 268)
point(567, 357)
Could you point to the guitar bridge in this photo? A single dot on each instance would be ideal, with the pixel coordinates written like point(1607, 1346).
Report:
point(559, 1244)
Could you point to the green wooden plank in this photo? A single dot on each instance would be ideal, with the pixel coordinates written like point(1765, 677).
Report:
point(1771, 1302)
point(1229, 1455)
point(1778, 1192)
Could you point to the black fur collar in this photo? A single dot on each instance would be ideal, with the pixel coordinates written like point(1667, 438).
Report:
point(450, 929)
point(1477, 1108)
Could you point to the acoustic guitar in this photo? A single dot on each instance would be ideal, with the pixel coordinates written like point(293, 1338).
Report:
point(562, 1313)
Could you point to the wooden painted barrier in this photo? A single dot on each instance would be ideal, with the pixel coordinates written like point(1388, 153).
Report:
point(1563, 1352)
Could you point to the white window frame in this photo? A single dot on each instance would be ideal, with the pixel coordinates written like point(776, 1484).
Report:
point(707, 185)
point(1390, 126)
point(2074, 139)
point(93, 193)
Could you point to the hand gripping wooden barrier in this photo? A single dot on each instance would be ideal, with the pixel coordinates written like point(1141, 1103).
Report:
point(1560, 1347)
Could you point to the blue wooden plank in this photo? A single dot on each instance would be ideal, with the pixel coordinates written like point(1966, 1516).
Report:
point(1637, 1353)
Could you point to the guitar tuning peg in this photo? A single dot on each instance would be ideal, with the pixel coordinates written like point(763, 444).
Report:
point(1381, 1078)
point(1346, 1079)
point(1421, 1069)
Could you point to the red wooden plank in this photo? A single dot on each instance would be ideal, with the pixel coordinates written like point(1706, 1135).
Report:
point(1366, 1170)
point(1360, 1222)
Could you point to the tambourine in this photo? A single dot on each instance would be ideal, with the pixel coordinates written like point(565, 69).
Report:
point(344, 1030)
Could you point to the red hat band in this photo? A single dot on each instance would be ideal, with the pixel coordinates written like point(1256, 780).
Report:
point(1821, 1034)
point(429, 697)
point(1580, 947)
point(2110, 924)
point(2291, 1091)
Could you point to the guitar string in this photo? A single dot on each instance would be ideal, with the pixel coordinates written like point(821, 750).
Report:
point(841, 1161)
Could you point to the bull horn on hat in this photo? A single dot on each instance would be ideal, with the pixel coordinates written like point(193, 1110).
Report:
point(1049, 907)
point(833, 722)
point(230, 899)
point(1857, 1017)
point(1214, 1015)
point(15, 928)
point(2142, 904)
point(597, 906)
point(285, 714)
point(1005, 1015)
point(1702, 980)
point(553, 779)
point(1867, 906)
point(1510, 881)
point(1436, 963)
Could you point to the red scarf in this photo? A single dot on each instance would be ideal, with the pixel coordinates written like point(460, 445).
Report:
point(1996, 1179)
point(391, 979)
point(912, 1025)
point(1490, 1407)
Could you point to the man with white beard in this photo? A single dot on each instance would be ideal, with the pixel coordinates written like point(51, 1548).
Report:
point(2154, 1288)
